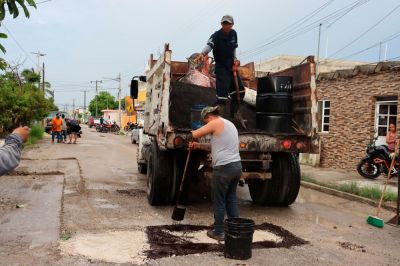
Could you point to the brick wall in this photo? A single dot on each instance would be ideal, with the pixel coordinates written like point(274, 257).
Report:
point(352, 114)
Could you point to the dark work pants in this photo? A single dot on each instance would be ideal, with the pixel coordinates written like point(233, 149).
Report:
point(224, 184)
point(225, 86)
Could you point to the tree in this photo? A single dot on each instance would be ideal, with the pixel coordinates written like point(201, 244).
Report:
point(104, 101)
point(13, 8)
point(21, 103)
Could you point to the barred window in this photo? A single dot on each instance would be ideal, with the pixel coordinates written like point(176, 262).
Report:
point(324, 113)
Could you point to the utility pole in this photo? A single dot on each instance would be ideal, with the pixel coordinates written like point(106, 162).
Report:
point(118, 79)
point(96, 81)
point(84, 105)
point(380, 51)
point(73, 108)
point(319, 42)
point(43, 81)
point(38, 54)
point(119, 99)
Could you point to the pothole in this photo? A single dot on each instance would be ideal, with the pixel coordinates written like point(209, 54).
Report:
point(352, 246)
point(132, 192)
point(166, 241)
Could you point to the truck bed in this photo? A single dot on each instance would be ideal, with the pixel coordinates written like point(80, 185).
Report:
point(183, 96)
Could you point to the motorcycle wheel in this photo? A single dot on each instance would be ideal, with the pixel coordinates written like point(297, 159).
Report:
point(368, 169)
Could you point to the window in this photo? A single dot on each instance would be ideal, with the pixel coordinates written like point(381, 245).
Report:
point(385, 114)
point(324, 113)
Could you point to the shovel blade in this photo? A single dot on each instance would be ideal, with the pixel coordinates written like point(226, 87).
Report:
point(179, 213)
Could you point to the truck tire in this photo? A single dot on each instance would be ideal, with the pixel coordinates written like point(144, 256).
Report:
point(158, 176)
point(283, 188)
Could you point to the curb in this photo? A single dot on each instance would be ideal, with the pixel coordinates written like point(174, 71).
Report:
point(346, 195)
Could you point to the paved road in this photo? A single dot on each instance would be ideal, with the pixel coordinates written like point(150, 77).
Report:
point(86, 203)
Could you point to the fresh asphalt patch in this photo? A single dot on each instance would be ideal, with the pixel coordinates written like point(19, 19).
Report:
point(179, 240)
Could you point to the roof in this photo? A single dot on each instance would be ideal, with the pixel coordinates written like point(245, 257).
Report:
point(360, 70)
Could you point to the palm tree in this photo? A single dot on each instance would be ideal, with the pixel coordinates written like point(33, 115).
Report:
point(30, 76)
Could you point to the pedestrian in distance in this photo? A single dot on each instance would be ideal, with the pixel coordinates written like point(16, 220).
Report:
point(74, 129)
point(10, 152)
point(56, 126)
point(64, 128)
point(227, 166)
point(223, 43)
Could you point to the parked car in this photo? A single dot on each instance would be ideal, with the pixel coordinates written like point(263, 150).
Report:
point(93, 121)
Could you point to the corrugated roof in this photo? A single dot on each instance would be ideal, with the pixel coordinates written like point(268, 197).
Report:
point(360, 70)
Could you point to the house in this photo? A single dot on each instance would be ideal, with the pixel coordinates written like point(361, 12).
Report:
point(355, 105)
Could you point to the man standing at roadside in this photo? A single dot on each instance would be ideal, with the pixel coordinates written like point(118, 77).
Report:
point(227, 166)
point(56, 125)
point(10, 152)
point(223, 43)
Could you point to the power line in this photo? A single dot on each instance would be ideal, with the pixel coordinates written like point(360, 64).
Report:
point(365, 32)
point(292, 33)
point(387, 39)
point(19, 45)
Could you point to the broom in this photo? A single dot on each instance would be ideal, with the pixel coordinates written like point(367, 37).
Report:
point(375, 220)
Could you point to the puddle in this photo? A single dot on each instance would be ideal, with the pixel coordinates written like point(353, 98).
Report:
point(105, 204)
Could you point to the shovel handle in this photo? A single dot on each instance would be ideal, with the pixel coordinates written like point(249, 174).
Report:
point(235, 77)
point(184, 171)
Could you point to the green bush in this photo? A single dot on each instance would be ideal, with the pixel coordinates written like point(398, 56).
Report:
point(35, 134)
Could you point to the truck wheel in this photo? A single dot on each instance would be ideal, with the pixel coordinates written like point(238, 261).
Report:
point(283, 188)
point(158, 180)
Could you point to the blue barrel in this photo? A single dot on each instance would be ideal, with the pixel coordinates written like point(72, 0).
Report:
point(196, 121)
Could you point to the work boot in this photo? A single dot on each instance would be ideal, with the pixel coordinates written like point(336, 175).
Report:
point(219, 237)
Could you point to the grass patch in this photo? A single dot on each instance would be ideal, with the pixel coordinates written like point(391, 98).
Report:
point(371, 192)
point(35, 134)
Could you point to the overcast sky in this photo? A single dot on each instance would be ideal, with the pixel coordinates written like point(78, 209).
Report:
point(85, 40)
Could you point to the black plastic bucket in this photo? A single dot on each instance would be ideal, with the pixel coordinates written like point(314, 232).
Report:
point(238, 238)
point(195, 116)
point(275, 84)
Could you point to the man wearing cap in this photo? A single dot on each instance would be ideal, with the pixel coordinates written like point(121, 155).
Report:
point(227, 166)
point(56, 125)
point(223, 43)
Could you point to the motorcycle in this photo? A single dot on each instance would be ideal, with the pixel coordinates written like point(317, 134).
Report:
point(377, 161)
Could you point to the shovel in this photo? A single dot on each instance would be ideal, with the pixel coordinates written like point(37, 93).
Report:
point(179, 211)
point(238, 115)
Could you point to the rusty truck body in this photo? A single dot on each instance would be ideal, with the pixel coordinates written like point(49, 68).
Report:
point(270, 161)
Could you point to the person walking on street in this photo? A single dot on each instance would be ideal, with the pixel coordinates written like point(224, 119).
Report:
point(56, 125)
point(10, 152)
point(227, 166)
point(223, 43)
point(74, 129)
point(64, 128)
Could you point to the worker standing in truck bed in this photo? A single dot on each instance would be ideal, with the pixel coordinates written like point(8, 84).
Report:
point(223, 43)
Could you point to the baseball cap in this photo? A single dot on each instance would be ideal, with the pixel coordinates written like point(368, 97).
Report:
point(227, 18)
point(207, 110)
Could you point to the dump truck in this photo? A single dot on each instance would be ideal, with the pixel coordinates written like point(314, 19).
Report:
point(270, 160)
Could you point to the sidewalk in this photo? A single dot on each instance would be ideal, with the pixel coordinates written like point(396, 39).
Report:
point(338, 176)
